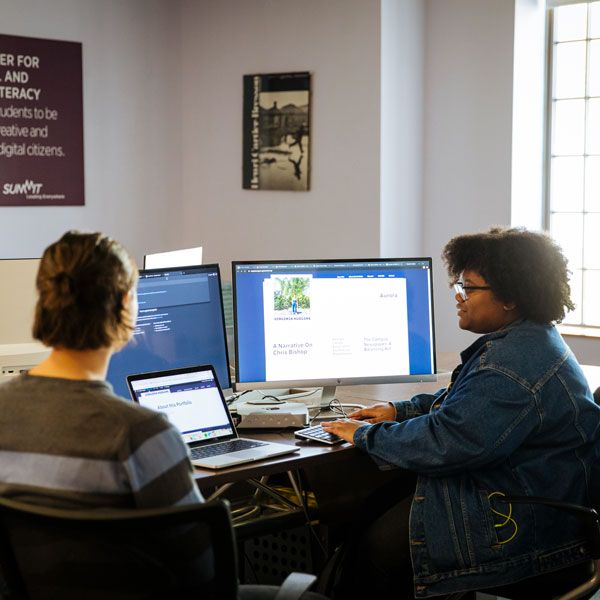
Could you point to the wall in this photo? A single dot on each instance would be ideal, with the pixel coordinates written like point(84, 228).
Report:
point(467, 133)
point(131, 88)
point(446, 69)
point(585, 348)
point(402, 56)
point(162, 110)
point(338, 41)
point(528, 114)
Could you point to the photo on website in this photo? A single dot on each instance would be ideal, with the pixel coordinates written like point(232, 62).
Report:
point(291, 295)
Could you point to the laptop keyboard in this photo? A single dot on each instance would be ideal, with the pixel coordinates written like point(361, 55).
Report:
point(224, 448)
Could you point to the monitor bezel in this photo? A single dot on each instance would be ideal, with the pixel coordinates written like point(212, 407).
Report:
point(344, 381)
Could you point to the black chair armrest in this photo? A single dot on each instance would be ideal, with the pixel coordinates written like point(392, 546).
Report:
point(588, 517)
point(294, 586)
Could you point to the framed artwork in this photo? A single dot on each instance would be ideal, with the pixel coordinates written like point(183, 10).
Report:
point(276, 137)
point(41, 122)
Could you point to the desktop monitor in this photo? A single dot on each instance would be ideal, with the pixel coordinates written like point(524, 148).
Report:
point(333, 322)
point(180, 324)
point(18, 350)
point(18, 299)
point(186, 257)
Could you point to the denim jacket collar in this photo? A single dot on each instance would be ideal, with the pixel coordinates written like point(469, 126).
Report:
point(473, 349)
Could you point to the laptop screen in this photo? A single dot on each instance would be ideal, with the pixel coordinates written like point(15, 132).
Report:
point(191, 400)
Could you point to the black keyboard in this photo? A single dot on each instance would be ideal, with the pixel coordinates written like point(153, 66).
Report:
point(224, 448)
point(318, 434)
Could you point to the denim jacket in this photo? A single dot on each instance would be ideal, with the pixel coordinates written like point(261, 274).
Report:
point(519, 419)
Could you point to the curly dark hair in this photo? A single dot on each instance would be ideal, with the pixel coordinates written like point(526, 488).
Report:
point(522, 267)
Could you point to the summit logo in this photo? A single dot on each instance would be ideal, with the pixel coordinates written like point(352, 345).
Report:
point(27, 187)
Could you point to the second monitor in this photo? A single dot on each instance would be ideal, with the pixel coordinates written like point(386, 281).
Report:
point(180, 324)
point(333, 322)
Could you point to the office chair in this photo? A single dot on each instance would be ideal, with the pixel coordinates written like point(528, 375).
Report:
point(572, 583)
point(164, 553)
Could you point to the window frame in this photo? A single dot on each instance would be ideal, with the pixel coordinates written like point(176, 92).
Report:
point(580, 327)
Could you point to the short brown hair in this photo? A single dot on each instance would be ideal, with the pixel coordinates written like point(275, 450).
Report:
point(521, 266)
point(81, 282)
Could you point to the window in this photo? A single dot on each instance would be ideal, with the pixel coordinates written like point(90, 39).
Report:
point(573, 150)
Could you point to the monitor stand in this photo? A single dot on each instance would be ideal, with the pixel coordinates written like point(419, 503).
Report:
point(328, 396)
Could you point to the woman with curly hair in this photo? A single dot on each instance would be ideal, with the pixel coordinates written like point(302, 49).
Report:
point(517, 419)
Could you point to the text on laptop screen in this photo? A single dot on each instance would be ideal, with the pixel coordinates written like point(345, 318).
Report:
point(180, 323)
point(191, 403)
point(333, 322)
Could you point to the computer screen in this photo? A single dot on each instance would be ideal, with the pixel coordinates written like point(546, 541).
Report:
point(333, 322)
point(185, 257)
point(180, 324)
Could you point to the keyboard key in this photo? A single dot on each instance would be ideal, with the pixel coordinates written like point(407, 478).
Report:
point(224, 448)
point(318, 434)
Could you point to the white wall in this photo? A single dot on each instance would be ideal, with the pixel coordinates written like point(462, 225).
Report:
point(468, 121)
point(446, 71)
point(132, 129)
point(338, 41)
point(402, 56)
point(163, 127)
point(528, 114)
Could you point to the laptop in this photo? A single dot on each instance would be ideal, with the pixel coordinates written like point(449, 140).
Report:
point(193, 401)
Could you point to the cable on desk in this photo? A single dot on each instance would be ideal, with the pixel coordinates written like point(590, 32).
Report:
point(271, 397)
point(235, 397)
point(334, 406)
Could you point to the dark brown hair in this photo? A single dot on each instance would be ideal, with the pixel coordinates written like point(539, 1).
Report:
point(81, 282)
point(524, 267)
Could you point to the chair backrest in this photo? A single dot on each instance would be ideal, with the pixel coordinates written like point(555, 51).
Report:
point(118, 554)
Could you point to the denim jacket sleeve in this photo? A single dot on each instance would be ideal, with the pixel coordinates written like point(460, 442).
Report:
point(486, 415)
point(418, 405)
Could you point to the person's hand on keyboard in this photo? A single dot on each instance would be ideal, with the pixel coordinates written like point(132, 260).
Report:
point(375, 414)
point(345, 428)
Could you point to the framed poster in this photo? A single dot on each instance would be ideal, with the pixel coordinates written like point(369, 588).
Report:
point(276, 137)
point(41, 122)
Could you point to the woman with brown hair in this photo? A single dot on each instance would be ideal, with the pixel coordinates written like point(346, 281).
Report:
point(67, 440)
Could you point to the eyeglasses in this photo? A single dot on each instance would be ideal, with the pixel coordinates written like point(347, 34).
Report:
point(465, 290)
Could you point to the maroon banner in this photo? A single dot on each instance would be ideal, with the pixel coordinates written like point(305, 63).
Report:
point(41, 122)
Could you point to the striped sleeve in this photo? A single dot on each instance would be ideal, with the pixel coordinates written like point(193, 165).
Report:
point(158, 465)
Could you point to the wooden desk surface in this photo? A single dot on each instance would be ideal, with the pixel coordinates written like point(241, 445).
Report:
point(312, 454)
point(339, 488)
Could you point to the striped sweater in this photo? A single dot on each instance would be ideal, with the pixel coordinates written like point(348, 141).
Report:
point(73, 443)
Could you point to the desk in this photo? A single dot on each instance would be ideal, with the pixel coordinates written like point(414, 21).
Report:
point(333, 472)
point(311, 453)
